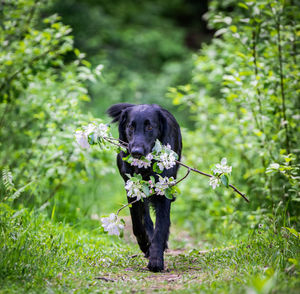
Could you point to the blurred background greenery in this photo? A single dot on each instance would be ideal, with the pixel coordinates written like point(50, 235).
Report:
point(228, 71)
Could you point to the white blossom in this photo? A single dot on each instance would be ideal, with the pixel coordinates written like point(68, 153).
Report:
point(134, 189)
point(163, 184)
point(103, 130)
point(214, 182)
point(167, 158)
point(98, 69)
point(82, 139)
point(222, 168)
point(98, 131)
point(274, 166)
point(112, 225)
point(145, 163)
point(90, 129)
point(149, 157)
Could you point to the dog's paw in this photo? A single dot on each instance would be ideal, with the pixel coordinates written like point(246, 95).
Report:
point(156, 264)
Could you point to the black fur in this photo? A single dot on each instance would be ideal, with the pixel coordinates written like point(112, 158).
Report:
point(140, 126)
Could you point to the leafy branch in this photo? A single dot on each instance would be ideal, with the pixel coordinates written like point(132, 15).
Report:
point(137, 188)
point(163, 156)
point(210, 176)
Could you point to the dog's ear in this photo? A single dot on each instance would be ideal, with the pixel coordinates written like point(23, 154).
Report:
point(115, 111)
point(122, 124)
point(119, 113)
point(163, 126)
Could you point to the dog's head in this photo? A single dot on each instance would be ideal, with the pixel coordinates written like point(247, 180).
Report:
point(139, 126)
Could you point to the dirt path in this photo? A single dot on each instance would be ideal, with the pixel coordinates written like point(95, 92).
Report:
point(179, 270)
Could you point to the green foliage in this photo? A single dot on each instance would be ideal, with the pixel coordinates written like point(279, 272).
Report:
point(39, 256)
point(245, 101)
point(244, 98)
point(41, 100)
point(140, 45)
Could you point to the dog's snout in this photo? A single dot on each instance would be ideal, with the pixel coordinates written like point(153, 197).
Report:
point(137, 152)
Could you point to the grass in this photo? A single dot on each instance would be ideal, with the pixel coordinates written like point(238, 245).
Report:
point(39, 255)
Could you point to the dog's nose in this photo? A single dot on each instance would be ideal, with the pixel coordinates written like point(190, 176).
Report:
point(137, 152)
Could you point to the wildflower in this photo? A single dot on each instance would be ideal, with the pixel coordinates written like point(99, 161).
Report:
point(134, 189)
point(222, 168)
point(214, 182)
point(163, 184)
point(112, 225)
point(82, 139)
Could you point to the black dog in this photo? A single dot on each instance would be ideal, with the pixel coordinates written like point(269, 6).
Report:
point(140, 126)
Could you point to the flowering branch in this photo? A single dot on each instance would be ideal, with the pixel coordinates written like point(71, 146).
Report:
point(162, 157)
point(210, 176)
point(124, 206)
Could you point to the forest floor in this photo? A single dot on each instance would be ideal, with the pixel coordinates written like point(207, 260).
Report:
point(43, 256)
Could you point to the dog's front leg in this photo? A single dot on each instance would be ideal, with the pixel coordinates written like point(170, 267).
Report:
point(138, 212)
point(159, 241)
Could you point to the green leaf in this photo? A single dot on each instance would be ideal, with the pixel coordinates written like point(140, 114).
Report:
point(233, 29)
point(18, 193)
point(77, 52)
point(157, 147)
point(293, 232)
point(128, 158)
point(145, 189)
point(91, 139)
point(225, 180)
point(156, 168)
point(243, 5)
point(175, 190)
point(169, 193)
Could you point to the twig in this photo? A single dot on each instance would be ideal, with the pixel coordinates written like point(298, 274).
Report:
point(194, 169)
point(188, 172)
point(111, 139)
point(104, 279)
point(119, 140)
point(239, 192)
point(208, 175)
point(129, 203)
point(180, 163)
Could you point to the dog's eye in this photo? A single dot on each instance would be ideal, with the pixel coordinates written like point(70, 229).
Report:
point(149, 128)
point(131, 128)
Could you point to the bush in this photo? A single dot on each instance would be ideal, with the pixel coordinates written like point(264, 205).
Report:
point(42, 95)
point(245, 104)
